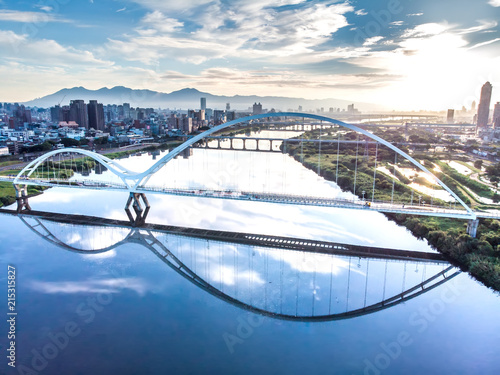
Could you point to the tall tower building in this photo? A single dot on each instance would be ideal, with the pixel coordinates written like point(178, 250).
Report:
point(483, 111)
point(96, 115)
point(496, 116)
point(228, 106)
point(257, 109)
point(450, 116)
point(203, 103)
point(78, 113)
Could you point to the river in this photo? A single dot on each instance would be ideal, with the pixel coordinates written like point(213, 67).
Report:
point(128, 310)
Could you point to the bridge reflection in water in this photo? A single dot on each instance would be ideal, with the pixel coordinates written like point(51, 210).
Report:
point(284, 278)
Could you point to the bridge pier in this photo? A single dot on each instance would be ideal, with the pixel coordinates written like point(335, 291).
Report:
point(472, 227)
point(140, 214)
point(22, 198)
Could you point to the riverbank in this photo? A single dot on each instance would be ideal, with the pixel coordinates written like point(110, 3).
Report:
point(479, 256)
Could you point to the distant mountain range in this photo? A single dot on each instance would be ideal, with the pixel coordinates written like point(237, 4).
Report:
point(189, 98)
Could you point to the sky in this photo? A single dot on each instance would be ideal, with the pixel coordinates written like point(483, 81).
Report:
point(403, 54)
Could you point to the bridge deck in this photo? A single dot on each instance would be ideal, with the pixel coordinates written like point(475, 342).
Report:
point(385, 207)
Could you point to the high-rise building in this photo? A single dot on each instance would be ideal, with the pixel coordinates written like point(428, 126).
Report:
point(66, 111)
point(228, 106)
point(126, 110)
point(496, 116)
point(257, 109)
point(56, 114)
point(483, 111)
point(96, 115)
point(203, 103)
point(78, 113)
point(473, 106)
point(450, 117)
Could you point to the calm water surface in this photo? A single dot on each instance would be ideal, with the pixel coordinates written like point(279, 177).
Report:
point(131, 311)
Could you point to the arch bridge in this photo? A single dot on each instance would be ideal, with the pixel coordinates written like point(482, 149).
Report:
point(70, 168)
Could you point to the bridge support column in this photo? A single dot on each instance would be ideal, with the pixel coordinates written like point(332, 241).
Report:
point(22, 198)
point(140, 214)
point(472, 227)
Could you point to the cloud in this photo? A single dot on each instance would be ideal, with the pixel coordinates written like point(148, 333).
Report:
point(484, 25)
point(226, 31)
point(16, 47)
point(426, 29)
point(488, 42)
point(121, 10)
point(115, 285)
point(360, 12)
point(191, 6)
point(494, 3)
point(45, 8)
point(275, 82)
point(372, 41)
point(157, 21)
point(29, 17)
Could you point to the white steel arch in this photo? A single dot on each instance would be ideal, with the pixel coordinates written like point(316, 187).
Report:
point(126, 175)
point(144, 176)
point(133, 180)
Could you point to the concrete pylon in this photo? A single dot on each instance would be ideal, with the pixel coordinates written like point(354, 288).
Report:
point(472, 227)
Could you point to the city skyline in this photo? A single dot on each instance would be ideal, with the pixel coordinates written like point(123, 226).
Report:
point(401, 54)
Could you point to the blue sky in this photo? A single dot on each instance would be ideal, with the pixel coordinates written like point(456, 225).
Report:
point(405, 54)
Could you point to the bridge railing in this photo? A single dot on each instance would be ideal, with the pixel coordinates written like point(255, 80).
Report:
point(249, 195)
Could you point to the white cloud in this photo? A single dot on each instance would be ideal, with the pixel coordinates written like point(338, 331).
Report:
point(21, 48)
point(372, 41)
point(29, 17)
point(91, 286)
point(189, 6)
point(361, 12)
point(250, 28)
point(157, 21)
point(485, 43)
point(494, 3)
point(484, 25)
point(45, 8)
point(426, 29)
